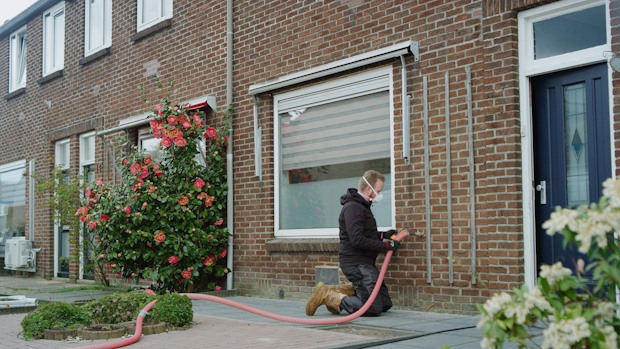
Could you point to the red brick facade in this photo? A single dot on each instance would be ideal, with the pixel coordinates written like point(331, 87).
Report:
point(276, 38)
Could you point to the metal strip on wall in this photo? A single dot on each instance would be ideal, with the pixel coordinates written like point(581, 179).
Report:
point(427, 181)
point(449, 181)
point(472, 196)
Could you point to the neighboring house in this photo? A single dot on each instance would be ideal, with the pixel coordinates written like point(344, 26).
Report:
point(483, 115)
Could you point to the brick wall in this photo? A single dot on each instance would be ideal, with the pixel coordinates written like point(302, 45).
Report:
point(275, 38)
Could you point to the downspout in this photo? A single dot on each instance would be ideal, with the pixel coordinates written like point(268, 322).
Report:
point(229, 148)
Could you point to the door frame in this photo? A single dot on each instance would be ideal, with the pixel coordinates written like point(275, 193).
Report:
point(529, 67)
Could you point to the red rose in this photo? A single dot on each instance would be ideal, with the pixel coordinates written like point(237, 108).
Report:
point(148, 160)
point(210, 133)
point(166, 142)
point(199, 183)
point(104, 217)
point(160, 237)
point(135, 168)
point(186, 274)
point(92, 225)
point(183, 201)
point(173, 259)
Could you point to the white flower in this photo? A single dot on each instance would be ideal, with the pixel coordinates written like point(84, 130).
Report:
point(607, 310)
point(533, 298)
point(565, 333)
point(611, 337)
point(554, 273)
point(497, 303)
point(488, 343)
point(559, 220)
point(611, 190)
point(594, 227)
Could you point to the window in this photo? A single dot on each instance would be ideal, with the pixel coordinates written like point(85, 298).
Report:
point(326, 137)
point(61, 240)
point(151, 12)
point(17, 60)
point(97, 25)
point(87, 156)
point(54, 39)
point(563, 35)
point(570, 32)
point(12, 201)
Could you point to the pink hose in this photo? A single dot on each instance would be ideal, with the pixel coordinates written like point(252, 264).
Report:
point(295, 320)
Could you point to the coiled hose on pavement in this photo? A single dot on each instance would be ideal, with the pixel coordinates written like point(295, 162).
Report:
point(302, 321)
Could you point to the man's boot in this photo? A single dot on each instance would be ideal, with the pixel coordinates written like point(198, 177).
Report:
point(346, 289)
point(321, 294)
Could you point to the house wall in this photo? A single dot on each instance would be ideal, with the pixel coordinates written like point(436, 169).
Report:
point(273, 38)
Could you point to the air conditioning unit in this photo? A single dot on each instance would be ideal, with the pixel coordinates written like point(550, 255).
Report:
point(19, 255)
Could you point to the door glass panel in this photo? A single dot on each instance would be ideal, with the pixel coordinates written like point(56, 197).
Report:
point(576, 144)
point(570, 32)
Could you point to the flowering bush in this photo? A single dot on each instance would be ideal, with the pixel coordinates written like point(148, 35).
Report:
point(561, 305)
point(165, 221)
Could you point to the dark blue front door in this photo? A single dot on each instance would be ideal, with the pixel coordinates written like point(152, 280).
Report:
point(571, 148)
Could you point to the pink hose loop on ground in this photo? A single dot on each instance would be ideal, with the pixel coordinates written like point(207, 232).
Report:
point(126, 341)
point(301, 321)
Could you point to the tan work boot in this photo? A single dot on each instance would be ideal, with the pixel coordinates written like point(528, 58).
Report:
point(323, 294)
point(333, 300)
point(316, 298)
point(346, 289)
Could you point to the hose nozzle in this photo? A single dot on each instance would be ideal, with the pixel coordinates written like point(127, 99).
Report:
point(403, 234)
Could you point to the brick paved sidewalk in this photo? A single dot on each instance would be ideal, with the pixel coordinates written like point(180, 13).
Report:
point(207, 332)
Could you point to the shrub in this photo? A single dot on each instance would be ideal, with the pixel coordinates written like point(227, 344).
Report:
point(174, 309)
point(54, 315)
point(118, 307)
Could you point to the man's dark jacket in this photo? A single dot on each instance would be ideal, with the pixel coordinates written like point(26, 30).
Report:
point(360, 242)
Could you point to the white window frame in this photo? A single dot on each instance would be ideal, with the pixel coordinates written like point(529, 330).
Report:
point(86, 159)
point(17, 59)
point(357, 82)
point(53, 39)
point(530, 67)
point(103, 11)
point(59, 162)
point(164, 8)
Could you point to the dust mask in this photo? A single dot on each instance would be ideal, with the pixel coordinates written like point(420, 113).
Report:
point(378, 197)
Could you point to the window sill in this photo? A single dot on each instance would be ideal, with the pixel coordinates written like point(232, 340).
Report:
point(19, 91)
point(303, 245)
point(95, 56)
point(151, 30)
point(50, 77)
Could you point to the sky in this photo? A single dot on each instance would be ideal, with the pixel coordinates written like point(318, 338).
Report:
point(11, 8)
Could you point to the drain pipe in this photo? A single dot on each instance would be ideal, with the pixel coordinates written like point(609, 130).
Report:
point(229, 148)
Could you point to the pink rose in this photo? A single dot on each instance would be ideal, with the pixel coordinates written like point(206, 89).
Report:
point(166, 142)
point(183, 201)
point(160, 237)
point(135, 168)
point(186, 274)
point(180, 142)
point(199, 183)
point(218, 222)
point(99, 182)
point(218, 288)
point(127, 209)
point(92, 225)
point(149, 291)
point(173, 259)
point(210, 133)
point(172, 120)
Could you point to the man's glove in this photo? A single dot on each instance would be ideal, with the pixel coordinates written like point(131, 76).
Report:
point(388, 234)
point(391, 245)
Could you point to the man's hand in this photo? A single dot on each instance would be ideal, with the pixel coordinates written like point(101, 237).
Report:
point(391, 245)
point(388, 234)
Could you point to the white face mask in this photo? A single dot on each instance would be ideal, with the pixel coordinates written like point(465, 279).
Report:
point(378, 197)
